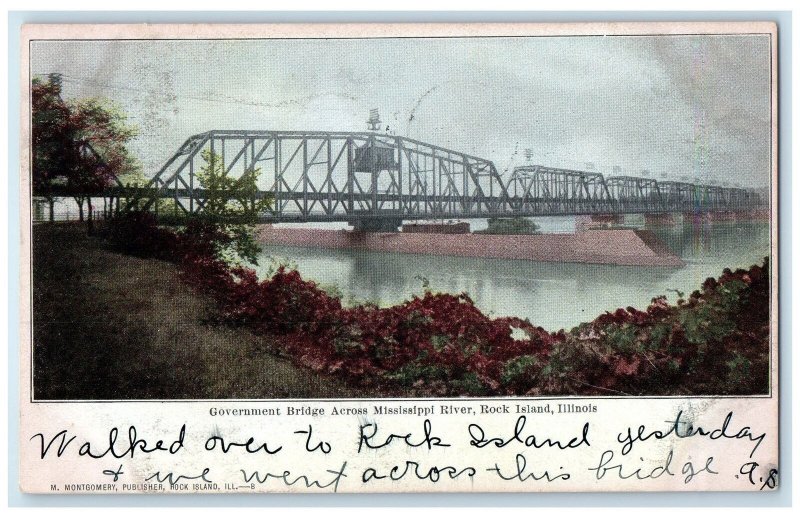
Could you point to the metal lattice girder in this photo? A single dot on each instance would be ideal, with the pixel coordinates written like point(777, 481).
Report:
point(677, 196)
point(350, 176)
point(547, 190)
point(634, 194)
point(339, 174)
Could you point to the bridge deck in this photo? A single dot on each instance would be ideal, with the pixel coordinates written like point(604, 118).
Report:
point(347, 176)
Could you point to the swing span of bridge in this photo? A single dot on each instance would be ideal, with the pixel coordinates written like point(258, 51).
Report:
point(366, 176)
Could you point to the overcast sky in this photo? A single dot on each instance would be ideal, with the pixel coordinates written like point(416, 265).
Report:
point(678, 106)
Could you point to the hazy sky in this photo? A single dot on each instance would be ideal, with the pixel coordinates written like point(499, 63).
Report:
point(678, 106)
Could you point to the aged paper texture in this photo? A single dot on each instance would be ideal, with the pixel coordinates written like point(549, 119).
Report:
point(399, 258)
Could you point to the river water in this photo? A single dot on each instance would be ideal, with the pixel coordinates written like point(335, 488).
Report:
point(551, 295)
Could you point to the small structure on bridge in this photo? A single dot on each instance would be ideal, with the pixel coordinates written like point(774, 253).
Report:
point(373, 157)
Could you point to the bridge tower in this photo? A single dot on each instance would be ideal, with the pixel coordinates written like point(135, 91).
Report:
point(377, 160)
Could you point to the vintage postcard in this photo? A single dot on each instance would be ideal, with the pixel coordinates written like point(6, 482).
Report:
point(399, 258)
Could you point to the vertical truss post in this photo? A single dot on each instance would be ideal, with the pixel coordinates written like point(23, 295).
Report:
point(278, 168)
point(191, 187)
point(304, 143)
point(350, 176)
point(403, 207)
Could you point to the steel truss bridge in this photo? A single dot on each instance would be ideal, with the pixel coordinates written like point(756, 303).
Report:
point(365, 178)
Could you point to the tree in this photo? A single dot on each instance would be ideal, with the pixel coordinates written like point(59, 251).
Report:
point(78, 146)
point(51, 137)
point(232, 205)
point(134, 177)
point(100, 134)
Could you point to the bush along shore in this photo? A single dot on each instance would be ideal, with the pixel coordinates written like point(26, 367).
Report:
point(713, 342)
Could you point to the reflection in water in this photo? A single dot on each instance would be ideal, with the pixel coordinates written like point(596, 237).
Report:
point(552, 295)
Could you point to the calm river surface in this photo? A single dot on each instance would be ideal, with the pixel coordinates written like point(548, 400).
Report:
point(552, 295)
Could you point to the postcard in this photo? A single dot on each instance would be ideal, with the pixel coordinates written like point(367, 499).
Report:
point(371, 258)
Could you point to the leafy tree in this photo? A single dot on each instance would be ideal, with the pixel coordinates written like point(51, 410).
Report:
point(136, 179)
point(51, 138)
point(78, 146)
point(232, 205)
point(100, 133)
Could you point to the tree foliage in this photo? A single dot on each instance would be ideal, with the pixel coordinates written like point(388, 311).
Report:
point(232, 205)
point(51, 138)
point(79, 146)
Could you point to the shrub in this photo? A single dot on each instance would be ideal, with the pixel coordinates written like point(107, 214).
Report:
point(717, 342)
point(137, 233)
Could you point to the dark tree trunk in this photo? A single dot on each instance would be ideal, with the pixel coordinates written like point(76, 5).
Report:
point(90, 219)
point(80, 208)
point(51, 202)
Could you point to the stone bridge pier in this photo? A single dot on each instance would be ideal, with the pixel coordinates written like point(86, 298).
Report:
point(609, 219)
point(377, 225)
point(661, 219)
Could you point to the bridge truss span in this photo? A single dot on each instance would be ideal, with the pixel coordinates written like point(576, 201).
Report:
point(362, 176)
point(634, 194)
point(318, 176)
point(547, 190)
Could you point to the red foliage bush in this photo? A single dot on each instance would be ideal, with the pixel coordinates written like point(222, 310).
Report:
point(439, 334)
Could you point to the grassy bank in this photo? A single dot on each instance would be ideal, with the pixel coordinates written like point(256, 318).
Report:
point(111, 326)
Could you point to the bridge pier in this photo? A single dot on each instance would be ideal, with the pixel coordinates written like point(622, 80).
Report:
point(377, 225)
point(610, 219)
point(598, 220)
point(660, 219)
point(722, 216)
point(697, 218)
point(752, 215)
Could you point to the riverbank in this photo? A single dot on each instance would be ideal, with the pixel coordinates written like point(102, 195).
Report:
point(109, 326)
point(624, 247)
point(112, 326)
